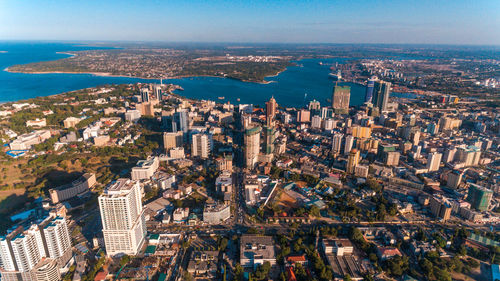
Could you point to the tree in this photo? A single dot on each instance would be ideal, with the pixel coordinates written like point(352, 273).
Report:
point(314, 211)
point(347, 277)
point(462, 250)
point(262, 270)
point(427, 267)
point(124, 260)
point(238, 272)
point(223, 244)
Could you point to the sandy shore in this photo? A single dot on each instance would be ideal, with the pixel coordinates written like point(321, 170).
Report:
point(106, 74)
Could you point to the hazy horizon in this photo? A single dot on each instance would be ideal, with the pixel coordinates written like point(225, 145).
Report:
point(246, 22)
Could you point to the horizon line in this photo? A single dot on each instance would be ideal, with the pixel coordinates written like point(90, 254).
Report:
point(242, 42)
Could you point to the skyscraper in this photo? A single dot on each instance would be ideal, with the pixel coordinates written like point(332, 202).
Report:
point(340, 99)
point(271, 107)
point(369, 90)
point(381, 93)
point(157, 91)
point(269, 139)
point(201, 145)
point(454, 179)
point(144, 94)
point(24, 253)
point(174, 122)
point(349, 142)
point(433, 161)
point(352, 161)
point(122, 215)
point(479, 197)
point(337, 143)
point(252, 146)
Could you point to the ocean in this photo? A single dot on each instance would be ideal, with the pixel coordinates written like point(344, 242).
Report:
point(293, 87)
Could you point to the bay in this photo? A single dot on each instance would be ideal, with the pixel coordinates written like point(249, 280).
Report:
point(294, 87)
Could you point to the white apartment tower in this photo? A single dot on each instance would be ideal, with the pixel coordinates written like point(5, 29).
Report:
point(337, 142)
point(24, 255)
point(57, 237)
point(123, 223)
point(349, 142)
point(201, 145)
point(252, 146)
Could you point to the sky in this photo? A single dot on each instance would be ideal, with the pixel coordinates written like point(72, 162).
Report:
point(474, 22)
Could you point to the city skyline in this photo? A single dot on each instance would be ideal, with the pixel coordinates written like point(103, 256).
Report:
point(423, 22)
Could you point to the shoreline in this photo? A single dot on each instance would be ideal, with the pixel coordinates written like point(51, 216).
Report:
point(107, 74)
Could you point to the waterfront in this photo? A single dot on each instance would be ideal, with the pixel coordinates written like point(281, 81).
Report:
point(294, 87)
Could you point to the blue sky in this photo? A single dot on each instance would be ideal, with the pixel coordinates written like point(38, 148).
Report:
point(320, 21)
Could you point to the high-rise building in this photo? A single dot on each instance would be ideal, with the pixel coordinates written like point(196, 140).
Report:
point(369, 90)
point(271, 107)
point(182, 120)
point(440, 208)
point(201, 145)
point(157, 91)
point(449, 154)
point(252, 146)
point(326, 113)
point(337, 143)
point(433, 161)
point(448, 123)
point(144, 94)
point(122, 215)
point(314, 107)
point(381, 93)
point(454, 179)
point(316, 122)
point(23, 251)
point(340, 99)
point(174, 122)
point(468, 156)
point(361, 132)
point(352, 161)
point(349, 143)
point(172, 140)
point(329, 124)
point(479, 197)
point(269, 139)
point(391, 158)
point(303, 116)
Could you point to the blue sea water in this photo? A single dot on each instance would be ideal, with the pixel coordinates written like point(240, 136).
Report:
point(295, 86)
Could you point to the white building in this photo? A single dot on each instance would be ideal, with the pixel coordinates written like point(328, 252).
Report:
point(122, 215)
point(349, 142)
point(24, 255)
point(132, 115)
point(145, 168)
point(337, 142)
point(201, 145)
point(316, 122)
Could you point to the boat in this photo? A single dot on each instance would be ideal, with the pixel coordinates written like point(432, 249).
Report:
point(221, 98)
point(238, 99)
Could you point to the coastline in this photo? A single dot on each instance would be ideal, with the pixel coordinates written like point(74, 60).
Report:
point(107, 74)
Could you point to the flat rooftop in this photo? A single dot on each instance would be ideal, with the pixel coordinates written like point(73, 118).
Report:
point(121, 185)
